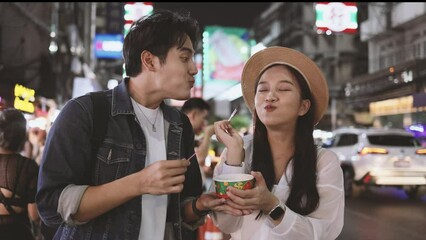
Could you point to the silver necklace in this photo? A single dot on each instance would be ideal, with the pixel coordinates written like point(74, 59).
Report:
point(154, 129)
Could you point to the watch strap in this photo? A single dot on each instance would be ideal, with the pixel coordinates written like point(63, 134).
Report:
point(277, 211)
point(198, 212)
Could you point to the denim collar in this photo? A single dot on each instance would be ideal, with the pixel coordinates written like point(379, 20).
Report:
point(121, 103)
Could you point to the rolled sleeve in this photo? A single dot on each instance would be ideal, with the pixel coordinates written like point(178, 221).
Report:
point(69, 202)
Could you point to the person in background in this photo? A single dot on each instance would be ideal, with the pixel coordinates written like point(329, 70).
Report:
point(37, 138)
point(197, 110)
point(298, 192)
point(140, 183)
point(33, 149)
point(18, 179)
point(27, 150)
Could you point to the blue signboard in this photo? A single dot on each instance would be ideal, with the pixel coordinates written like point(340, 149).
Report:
point(108, 46)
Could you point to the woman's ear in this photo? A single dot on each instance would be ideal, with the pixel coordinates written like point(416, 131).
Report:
point(304, 107)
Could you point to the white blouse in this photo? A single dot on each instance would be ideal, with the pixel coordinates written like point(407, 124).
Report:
point(326, 222)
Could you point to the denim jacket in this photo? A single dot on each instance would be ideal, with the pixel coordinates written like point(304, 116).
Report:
point(67, 159)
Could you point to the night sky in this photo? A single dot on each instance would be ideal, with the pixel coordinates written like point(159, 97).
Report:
point(228, 14)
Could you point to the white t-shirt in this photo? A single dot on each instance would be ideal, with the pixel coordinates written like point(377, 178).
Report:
point(154, 207)
point(326, 222)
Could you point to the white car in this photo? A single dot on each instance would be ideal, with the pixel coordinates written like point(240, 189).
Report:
point(380, 157)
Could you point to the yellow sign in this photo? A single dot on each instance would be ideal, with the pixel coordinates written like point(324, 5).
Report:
point(392, 106)
point(24, 98)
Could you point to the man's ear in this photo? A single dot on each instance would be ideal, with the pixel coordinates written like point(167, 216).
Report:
point(192, 114)
point(148, 60)
point(304, 107)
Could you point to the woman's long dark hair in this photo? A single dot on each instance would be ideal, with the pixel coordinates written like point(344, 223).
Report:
point(304, 197)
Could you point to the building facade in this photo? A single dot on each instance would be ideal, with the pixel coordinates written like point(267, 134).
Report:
point(393, 92)
point(43, 46)
point(340, 56)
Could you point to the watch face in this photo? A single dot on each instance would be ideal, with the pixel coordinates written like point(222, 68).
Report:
point(276, 213)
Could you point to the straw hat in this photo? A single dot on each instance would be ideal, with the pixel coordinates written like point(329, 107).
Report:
point(263, 59)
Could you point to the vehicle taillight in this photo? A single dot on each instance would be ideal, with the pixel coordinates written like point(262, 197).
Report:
point(367, 178)
point(421, 151)
point(369, 150)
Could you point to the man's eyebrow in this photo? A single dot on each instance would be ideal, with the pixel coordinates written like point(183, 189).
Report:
point(187, 49)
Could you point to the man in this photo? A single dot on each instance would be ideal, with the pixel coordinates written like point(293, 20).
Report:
point(197, 111)
point(129, 190)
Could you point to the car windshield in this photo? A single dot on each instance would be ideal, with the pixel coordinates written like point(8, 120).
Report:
point(393, 140)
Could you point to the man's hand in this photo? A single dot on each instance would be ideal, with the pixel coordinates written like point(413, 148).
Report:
point(163, 177)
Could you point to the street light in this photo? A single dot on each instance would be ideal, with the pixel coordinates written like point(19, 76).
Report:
point(53, 47)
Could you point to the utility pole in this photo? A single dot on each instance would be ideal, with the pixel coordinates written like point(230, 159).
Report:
point(89, 33)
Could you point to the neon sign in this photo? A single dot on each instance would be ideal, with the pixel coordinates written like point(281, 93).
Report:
point(24, 98)
point(336, 17)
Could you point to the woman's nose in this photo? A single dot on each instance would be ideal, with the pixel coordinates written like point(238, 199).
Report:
point(271, 97)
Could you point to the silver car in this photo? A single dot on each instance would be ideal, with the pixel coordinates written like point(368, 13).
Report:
point(380, 157)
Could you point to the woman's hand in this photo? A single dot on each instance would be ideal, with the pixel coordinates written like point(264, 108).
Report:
point(232, 140)
point(227, 135)
point(258, 198)
point(212, 202)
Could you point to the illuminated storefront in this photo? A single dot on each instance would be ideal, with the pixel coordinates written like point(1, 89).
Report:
point(395, 97)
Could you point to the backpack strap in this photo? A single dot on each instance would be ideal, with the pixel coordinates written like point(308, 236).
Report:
point(100, 119)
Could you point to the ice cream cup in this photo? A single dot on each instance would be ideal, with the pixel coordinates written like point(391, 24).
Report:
point(238, 181)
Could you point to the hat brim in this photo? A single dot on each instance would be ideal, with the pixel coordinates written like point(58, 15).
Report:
point(267, 57)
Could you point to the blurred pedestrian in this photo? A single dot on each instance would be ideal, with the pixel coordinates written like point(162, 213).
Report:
point(37, 138)
point(299, 187)
point(197, 110)
point(27, 150)
point(140, 183)
point(18, 179)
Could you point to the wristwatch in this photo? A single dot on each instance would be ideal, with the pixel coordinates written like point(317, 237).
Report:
point(200, 213)
point(277, 212)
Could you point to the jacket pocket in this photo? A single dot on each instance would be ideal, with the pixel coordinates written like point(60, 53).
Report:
point(112, 161)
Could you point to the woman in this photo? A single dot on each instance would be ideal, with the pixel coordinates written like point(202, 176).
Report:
point(299, 188)
point(18, 179)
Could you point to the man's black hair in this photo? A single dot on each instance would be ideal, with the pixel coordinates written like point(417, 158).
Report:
point(157, 33)
point(195, 103)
